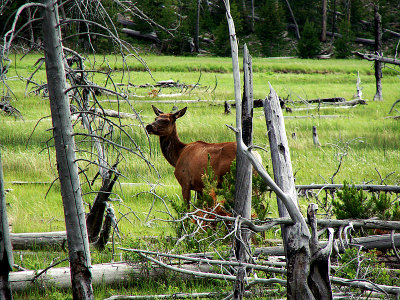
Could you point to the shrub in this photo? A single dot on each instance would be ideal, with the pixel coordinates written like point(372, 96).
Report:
point(354, 204)
point(343, 44)
point(309, 45)
point(271, 27)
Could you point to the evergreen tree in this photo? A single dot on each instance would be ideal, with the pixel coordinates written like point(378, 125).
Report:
point(222, 46)
point(270, 28)
point(309, 45)
point(343, 44)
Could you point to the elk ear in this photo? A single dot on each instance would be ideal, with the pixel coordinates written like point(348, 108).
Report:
point(156, 110)
point(180, 113)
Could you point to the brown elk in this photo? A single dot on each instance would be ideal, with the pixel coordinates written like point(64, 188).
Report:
point(190, 160)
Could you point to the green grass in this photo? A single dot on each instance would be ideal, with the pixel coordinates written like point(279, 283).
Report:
point(373, 140)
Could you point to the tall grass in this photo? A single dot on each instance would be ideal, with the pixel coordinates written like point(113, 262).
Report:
point(370, 140)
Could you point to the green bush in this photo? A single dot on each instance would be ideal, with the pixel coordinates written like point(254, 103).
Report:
point(309, 45)
point(354, 204)
point(271, 27)
point(343, 44)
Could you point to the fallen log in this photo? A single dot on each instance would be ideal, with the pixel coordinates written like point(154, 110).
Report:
point(374, 57)
point(31, 240)
point(380, 242)
point(357, 40)
point(108, 273)
point(327, 100)
point(115, 114)
point(365, 187)
point(137, 34)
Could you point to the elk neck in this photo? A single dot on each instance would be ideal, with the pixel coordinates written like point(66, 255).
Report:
point(171, 147)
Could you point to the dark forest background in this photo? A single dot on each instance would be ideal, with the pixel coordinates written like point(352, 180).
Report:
point(269, 27)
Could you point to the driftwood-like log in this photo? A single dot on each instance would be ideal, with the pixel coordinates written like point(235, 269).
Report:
point(374, 57)
point(31, 240)
point(327, 100)
point(137, 34)
point(380, 242)
point(366, 187)
point(357, 39)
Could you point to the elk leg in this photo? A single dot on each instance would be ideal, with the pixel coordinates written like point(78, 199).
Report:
point(186, 195)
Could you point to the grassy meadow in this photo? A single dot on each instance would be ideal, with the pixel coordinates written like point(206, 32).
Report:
point(365, 136)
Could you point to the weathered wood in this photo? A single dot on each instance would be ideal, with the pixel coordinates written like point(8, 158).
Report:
point(78, 244)
point(239, 138)
point(295, 238)
point(94, 219)
point(137, 34)
point(373, 57)
point(378, 51)
point(244, 172)
point(324, 20)
point(6, 256)
point(319, 278)
point(365, 187)
point(380, 242)
point(34, 240)
point(357, 39)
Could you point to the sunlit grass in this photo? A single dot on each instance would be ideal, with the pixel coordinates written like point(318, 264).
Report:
point(369, 138)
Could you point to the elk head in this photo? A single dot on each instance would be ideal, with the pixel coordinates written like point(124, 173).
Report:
point(164, 123)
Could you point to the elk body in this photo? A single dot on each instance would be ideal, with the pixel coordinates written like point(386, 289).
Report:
point(190, 160)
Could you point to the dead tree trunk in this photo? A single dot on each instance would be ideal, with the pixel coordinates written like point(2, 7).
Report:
point(196, 38)
point(315, 136)
point(78, 244)
point(242, 206)
point(324, 20)
point(378, 51)
point(296, 238)
point(294, 20)
point(6, 256)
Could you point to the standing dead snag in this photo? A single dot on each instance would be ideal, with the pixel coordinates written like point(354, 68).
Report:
point(243, 190)
point(378, 51)
point(6, 256)
point(78, 244)
point(298, 243)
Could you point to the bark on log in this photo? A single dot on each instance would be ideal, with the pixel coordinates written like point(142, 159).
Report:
point(373, 57)
point(109, 273)
point(357, 39)
point(319, 278)
point(365, 187)
point(21, 241)
point(137, 34)
point(380, 242)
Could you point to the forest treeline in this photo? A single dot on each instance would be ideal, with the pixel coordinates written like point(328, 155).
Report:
point(305, 28)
